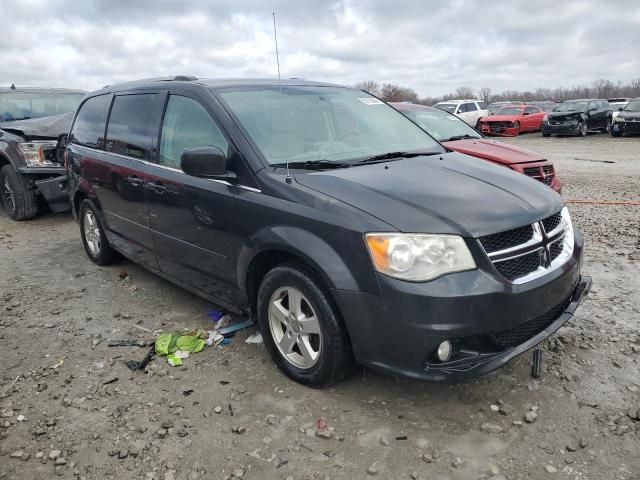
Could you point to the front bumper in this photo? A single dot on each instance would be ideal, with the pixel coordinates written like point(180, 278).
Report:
point(564, 129)
point(489, 128)
point(399, 331)
point(52, 184)
point(630, 128)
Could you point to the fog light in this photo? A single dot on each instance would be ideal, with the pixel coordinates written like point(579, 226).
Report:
point(444, 351)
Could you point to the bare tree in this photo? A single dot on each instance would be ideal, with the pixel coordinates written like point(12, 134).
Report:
point(395, 93)
point(485, 94)
point(634, 87)
point(370, 86)
point(465, 92)
point(603, 88)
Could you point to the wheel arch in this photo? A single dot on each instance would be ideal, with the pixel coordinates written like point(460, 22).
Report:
point(277, 245)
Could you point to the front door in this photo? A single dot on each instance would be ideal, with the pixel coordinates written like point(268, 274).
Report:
point(191, 218)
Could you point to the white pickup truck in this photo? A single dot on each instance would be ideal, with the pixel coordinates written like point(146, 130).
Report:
point(468, 110)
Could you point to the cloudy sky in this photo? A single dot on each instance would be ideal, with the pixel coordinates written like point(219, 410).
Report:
point(432, 46)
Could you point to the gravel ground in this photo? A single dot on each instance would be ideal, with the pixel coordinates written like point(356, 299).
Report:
point(70, 408)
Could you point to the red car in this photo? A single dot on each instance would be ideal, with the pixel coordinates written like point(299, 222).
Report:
point(512, 120)
point(456, 135)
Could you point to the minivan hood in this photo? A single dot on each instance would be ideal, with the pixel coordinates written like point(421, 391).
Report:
point(44, 127)
point(448, 193)
point(494, 151)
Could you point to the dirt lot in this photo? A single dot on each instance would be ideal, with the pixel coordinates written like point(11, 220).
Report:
point(89, 417)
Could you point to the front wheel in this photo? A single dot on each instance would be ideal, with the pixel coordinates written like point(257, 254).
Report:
point(517, 127)
point(18, 195)
point(546, 134)
point(616, 133)
point(93, 237)
point(302, 329)
point(582, 129)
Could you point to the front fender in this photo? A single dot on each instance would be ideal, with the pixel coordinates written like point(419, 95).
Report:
point(317, 253)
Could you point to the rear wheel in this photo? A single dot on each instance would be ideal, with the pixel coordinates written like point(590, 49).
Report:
point(93, 237)
point(302, 329)
point(18, 195)
point(607, 127)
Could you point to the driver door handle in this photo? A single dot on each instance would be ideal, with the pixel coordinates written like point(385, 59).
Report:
point(135, 181)
point(156, 187)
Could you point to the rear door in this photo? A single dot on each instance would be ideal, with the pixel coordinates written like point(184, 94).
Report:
point(120, 182)
point(596, 117)
point(191, 218)
point(468, 112)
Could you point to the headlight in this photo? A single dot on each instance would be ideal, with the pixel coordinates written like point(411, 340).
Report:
point(545, 119)
point(38, 154)
point(418, 257)
point(618, 119)
point(569, 236)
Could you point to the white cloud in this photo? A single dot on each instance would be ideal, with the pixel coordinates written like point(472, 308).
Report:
point(431, 46)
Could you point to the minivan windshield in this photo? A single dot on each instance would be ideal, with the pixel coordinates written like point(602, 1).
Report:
point(441, 125)
point(317, 123)
point(633, 106)
point(24, 105)
point(571, 107)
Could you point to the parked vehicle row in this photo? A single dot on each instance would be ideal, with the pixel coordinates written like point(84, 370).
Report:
point(456, 135)
point(324, 213)
point(32, 123)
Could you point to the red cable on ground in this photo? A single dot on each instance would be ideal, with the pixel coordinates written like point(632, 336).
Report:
point(602, 202)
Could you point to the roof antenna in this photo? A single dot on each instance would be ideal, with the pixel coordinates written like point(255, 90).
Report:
point(275, 38)
point(13, 86)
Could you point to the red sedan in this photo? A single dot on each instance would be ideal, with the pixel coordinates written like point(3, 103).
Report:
point(456, 135)
point(512, 120)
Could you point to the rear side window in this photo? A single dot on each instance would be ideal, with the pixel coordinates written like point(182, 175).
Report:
point(130, 125)
point(482, 105)
point(88, 129)
point(468, 107)
point(187, 124)
point(531, 110)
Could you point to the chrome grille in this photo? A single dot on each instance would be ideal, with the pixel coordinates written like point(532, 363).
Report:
point(552, 222)
point(512, 238)
point(525, 253)
point(543, 174)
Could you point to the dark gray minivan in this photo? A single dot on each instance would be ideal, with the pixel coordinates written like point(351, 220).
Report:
point(337, 223)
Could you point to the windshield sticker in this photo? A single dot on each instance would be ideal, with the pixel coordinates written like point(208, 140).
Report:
point(370, 101)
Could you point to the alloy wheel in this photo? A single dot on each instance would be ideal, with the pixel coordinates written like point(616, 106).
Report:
point(583, 129)
point(92, 232)
point(295, 328)
point(8, 195)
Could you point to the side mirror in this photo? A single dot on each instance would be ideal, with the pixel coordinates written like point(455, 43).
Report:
point(621, 109)
point(205, 161)
point(526, 113)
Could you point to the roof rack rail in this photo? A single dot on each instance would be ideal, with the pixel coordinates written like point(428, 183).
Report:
point(184, 78)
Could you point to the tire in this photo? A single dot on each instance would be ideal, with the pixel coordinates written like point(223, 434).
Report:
point(616, 134)
point(18, 195)
point(518, 127)
point(582, 129)
point(607, 127)
point(331, 346)
point(546, 134)
point(93, 238)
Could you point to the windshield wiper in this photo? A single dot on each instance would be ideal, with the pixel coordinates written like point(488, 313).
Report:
point(312, 164)
point(392, 155)
point(458, 137)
